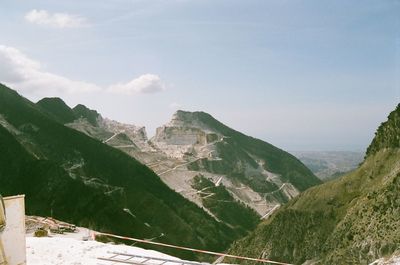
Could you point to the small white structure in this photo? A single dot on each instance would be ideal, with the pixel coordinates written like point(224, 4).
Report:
point(13, 236)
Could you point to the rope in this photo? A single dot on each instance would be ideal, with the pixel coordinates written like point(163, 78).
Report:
point(193, 249)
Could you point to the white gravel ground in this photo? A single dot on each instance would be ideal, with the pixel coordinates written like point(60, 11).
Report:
point(72, 251)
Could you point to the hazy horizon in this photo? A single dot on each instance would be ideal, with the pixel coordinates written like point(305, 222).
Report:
point(301, 75)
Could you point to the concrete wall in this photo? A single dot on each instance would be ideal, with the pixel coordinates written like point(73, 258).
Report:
point(13, 236)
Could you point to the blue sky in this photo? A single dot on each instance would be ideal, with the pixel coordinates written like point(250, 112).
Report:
point(303, 75)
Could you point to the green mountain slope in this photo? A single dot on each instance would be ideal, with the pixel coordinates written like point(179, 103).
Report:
point(222, 204)
point(78, 179)
point(352, 220)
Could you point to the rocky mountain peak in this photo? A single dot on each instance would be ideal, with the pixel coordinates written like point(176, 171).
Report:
point(57, 108)
point(53, 100)
point(92, 116)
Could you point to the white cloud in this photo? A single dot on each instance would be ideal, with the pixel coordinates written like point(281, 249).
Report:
point(55, 20)
point(19, 71)
point(28, 76)
point(147, 83)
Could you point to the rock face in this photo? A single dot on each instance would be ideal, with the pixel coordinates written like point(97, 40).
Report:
point(186, 135)
point(137, 135)
point(354, 219)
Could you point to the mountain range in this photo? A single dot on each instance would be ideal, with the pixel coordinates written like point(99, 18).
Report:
point(196, 183)
point(257, 176)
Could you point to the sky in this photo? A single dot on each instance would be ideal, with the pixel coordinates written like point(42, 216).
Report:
point(303, 75)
